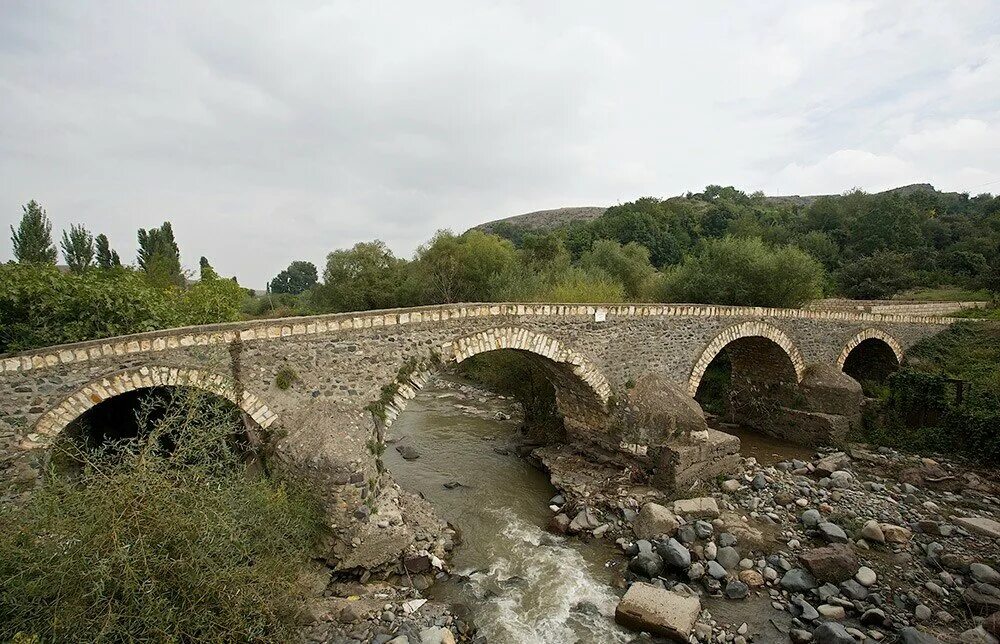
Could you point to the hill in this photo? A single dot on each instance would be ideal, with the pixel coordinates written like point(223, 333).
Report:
point(549, 219)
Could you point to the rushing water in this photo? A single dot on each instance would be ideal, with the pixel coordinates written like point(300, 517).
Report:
point(520, 583)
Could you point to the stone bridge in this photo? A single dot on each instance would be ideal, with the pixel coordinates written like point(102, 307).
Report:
point(356, 371)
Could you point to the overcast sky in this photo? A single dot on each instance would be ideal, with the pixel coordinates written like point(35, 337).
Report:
point(273, 131)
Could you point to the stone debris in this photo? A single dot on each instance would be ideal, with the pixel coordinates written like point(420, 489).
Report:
point(658, 611)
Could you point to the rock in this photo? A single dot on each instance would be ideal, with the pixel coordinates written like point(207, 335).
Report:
point(873, 617)
point(584, 520)
point(674, 554)
point(832, 532)
point(977, 635)
point(866, 576)
point(872, 532)
point(799, 636)
point(730, 486)
point(686, 534)
point(696, 571)
point(654, 520)
point(751, 578)
point(646, 564)
point(832, 463)
point(716, 571)
point(726, 539)
point(853, 590)
point(759, 481)
point(895, 533)
point(982, 598)
point(832, 633)
point(805, 609)
point(728, 557)
point(798, 580)
point(737, 590)
point(436, 635)
point(811, 518)
point(910, 635)
point(922, 613)
point(703, 529)
point(830, 611)
point(408, 452)
point(699, 508)
point(559, 524)
point(711, 550)
point(986, 574)
point(992, 624)
point(832, 563)
point(417, 563)
point(658, 611)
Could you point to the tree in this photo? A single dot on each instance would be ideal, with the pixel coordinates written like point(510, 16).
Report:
point(367, 276)
point(205, 271)
point(211, 300)
point(466, 268)
point(628, 264)
point(745, 271)
point(78, 248)
point(160, 257)
point(298, 278)
point(876, 276)
point(106, 258)
point(33, 238)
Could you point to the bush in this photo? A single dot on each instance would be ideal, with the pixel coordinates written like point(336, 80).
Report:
point(165, 538)
point(212, 300)
point(744, 271)
point(875, 277)
point(41, 306)
point(579, 286)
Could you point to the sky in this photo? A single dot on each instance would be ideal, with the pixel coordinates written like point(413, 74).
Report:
point(268, 132)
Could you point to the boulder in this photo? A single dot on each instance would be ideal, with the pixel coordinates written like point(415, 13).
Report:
point(646, 564)
point(986, 574)
point(436, 635)
point(728, 557)
point(832, 532)
point(674, 554)
point(978, 525)
point(654, 520)
point(737, 590)
point(896, 533)
point(698, 508)
point(834, 563)
point(982, 598)
point(658, 611)
point(992, 624)
point(832, 463)
point(559, 524)
point(584, 520)
point(872, 531)
point(751, 578)
point(910, 635)
point(798, 580)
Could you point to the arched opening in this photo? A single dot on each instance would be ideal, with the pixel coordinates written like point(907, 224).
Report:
point(747, 382)
point(871, 363)
point(168, 421)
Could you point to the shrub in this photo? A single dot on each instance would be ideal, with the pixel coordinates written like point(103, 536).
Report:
point(744, 271)
point(165, 538)
point(285, 377)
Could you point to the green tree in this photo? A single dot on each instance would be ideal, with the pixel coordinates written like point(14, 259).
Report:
point(33, 238)
point(298, 278)
point(106, 257)
point(578, 286)
point(211, 300)
point(877, 276)
point(78, 248)
point(159, 256)
point(367, 276)
point(628, 264)
point(466, 268)
point(745, 271)
point(205, 271)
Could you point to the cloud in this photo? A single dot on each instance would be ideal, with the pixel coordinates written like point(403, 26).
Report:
point(273, 131)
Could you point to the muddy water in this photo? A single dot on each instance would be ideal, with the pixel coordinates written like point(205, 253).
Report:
point(520, 583)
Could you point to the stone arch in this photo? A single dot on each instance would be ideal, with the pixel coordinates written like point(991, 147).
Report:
point(870, 333)
point(744, 330)
point(56, 420)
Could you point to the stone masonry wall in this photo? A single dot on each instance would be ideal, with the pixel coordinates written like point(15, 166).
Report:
point(325, 428)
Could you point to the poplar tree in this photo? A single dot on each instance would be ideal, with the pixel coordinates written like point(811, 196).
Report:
point(33, 238)
point(78, 248)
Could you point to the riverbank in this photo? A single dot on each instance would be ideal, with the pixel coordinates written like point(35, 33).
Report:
point(860, 545)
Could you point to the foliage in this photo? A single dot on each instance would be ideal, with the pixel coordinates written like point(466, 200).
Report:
point(462, 268)
point(920, 409)
point(877, 276)
point(211, 300)
point(40, 306)
point(155, 544)
point(629, 265)
point(205, 270)
point(78, 248)
point(106, 258)
point(299, 277)
point(944, 293)
point(159, 256)
point(32, 240)
point(745, 271)
point(368, 276)
point(578, 286)
point(285, 378)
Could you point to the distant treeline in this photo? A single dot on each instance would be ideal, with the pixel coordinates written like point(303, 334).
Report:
point(719, 246)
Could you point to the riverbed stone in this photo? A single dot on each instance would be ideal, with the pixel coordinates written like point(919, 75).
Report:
point(646, 564)
point(832, 532)
point(832, 633)
point(834, 563)
point(896, 533)
point(654, 520)
point(872, 531)
point(728, 557)
point(979, 525)
point(910, 635)
point(698, 508)
point(798, 580)
point(986, 574)
point(674, 554)
point(658, 611)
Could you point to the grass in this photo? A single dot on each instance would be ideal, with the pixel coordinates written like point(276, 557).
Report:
point(163, 538)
